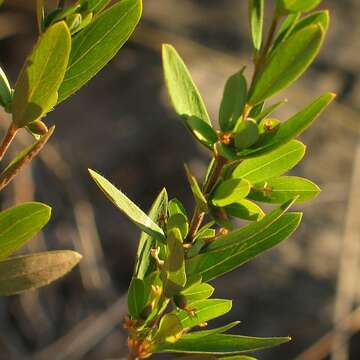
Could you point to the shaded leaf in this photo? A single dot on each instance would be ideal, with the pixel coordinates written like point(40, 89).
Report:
point(183, 93)
point(197, 292)
point(196, 190)
point(233, 101)
point(5, 91)
point(221, 344)
point(287, 63)
point(27, 272)
point(230, 191)
point(136, 297)
point(98, 43)
point(272, 164)
point(269, 110)
point(170, 329)
point(19, 224)
point(202, 131)
point(247, 134)
point(219, 330)
point(125, 205)
point(36, 88)
point(245, 209)
point(286, 27)
point(279, 190)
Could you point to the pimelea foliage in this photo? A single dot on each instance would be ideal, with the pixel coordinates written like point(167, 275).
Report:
point(75, 42)
point(170, 295)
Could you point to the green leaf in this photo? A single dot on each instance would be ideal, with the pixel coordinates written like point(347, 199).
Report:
point(27, 272)
point(19, 224)
point(125, 205)
point(245, 209)
point(292, 128)
point(268, 111)
point(196, 190)
point(179, 222)
point(176, 207)
point(39, 80)
point(287, 63)
point(272, 164)
point(94, 5)
point(202, 131)
point(291, 6)
point(321, 18)
point(247, 134)
point(157, 214)
point(98, 43)
point(221, 344)
point(230, 191)
point(212, 264)
point(233, 101)
point(205, 310)
point(286, 28)
point(170, 330)
point(136, 297)
point(214, 357)
point(254, 229)
point(279, 190)
point(183, 93)
point(173, 271)
point(197, 292)
point(256, 8)
point(5, 91)
point(203, 333)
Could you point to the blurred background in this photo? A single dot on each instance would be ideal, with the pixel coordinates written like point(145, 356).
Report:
point(121, 124)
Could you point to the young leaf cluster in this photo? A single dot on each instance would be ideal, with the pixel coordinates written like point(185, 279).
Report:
point(251, 151)
point(75, 42)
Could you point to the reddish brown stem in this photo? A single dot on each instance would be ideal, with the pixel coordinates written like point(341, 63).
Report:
point(9, 137)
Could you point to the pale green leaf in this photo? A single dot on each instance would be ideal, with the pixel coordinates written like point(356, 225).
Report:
point(125, 205)
point(219, 330)
point(28, 272)
point(197, 292)
point(291, 6)
point(41, 76)
point(170, 329)
point(256, 9)
point(19, 224)
point(279, 190)
point(98, 43)
point(183, 93)
point(245, 209)
point(272, 164)
point(196, 190)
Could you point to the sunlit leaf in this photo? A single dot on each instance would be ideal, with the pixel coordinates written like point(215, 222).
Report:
point(230, 191)
point(245, 209)
point(256, 8)
point(170, 330)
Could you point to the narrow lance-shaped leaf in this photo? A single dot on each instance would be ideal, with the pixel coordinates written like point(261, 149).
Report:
point(36, 88)
point(321, 18)
point(183, 93)
point(271, 165)
point(202, 333)
point(157, 214)
point(211, 265)
point(256, 9)
point(19, 224)
point(292, 128)
point(233, 101)
point(125, 205)
point(98, 43)
point(94, 5)
point(196, 190)
point(28, 272)
point(221, 344)
point(279, 190)
point(288, 62)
